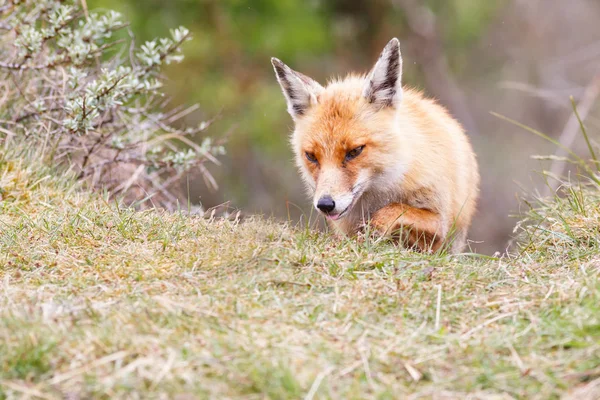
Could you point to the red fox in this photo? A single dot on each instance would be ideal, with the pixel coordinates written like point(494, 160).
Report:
point(373, 153)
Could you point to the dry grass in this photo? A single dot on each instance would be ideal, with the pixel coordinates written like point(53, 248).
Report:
point(98, 301)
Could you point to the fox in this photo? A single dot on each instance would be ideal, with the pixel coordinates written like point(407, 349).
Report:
point(379, 157)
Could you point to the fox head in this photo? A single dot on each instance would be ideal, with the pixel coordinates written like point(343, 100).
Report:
point(342, 138)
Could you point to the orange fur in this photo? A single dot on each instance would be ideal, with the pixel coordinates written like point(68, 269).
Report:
point(417, 171)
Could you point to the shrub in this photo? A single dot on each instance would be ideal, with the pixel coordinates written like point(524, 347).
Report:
point(92, 101)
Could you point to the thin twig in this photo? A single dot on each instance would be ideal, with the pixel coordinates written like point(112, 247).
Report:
point(438, 307)
point(85, 9)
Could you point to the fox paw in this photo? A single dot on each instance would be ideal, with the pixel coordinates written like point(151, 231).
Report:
point(405, 235)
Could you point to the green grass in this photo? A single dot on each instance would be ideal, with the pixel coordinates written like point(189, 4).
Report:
point(101, 301)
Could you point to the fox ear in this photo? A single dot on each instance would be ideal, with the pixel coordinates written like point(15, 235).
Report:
point(299, 90)
point(384, 82)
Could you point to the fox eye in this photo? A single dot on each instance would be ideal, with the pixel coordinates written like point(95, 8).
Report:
point(352, 154)
point(311, 157)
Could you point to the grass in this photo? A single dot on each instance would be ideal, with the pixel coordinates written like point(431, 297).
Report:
point(106, 302)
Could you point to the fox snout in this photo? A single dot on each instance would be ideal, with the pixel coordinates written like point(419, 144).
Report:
point(332, 196)
point(334, 206)
point(326, 204)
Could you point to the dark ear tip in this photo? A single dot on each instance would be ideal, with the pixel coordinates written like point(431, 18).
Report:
point(393, 44)
point(276, 62)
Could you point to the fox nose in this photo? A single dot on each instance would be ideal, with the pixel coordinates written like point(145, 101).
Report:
point(326, 204)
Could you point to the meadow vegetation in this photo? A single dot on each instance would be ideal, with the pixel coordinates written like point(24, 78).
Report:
point(101, 298)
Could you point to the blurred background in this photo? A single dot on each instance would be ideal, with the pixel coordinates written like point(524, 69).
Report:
point(519, 58)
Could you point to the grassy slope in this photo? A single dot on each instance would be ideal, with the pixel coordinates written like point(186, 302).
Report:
point(112, 303)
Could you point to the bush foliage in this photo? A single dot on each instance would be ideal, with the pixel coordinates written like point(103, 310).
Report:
point(93, 101)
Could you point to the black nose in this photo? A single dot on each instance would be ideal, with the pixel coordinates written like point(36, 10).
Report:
point(326, 204)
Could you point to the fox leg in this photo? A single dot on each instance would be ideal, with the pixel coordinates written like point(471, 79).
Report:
point(415, 227)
